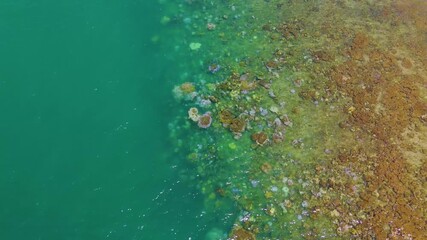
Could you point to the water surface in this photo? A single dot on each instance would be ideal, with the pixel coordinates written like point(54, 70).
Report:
point(85, 102)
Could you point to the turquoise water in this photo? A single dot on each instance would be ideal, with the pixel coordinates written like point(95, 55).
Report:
point(85, 100)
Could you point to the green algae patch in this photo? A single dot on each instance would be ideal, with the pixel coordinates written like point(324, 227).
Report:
point(195, 46)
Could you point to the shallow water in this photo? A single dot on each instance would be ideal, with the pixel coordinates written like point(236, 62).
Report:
point(85, 97)
point(212, 119)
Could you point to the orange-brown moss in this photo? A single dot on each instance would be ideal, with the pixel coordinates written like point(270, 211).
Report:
point(378, 82)
point(385, 105)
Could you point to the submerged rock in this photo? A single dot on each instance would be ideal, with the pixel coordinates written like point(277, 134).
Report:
point(193, 114)
point(266, 167)
point(278, 137)
point(213, 68)
point(237, 125)
point(185, 91)
point(210, 26)
point(274, 109)
point(260, 138)
point(240, 233)
point(205, 120)
point(263, 111)
point(187, 87)
point(226, 117)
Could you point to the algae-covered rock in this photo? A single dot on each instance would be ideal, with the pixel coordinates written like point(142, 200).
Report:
point(266, 167)
point(268, 194)
point(260, 138)
point(240, 233)
point(247, 85)
point(205, 120)
point(274, 109)
point(185, 91)
point(237, 125)
point(278, 137)
point(226, 117)
point(187, 87)
point(271, 210)
point(213, 68)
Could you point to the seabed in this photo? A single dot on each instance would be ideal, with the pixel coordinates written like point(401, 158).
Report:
point(309, 117)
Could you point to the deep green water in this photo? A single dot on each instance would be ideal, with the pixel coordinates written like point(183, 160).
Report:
point(85, 101)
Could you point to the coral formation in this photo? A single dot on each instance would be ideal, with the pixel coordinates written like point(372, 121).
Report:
point(213, 68)
point(187, 88)
point(193, 114)
point(205, 120)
